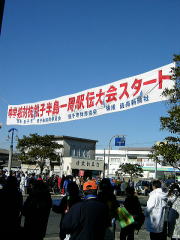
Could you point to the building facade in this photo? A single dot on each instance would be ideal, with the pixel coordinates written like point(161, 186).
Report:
point(77, 157)
point(141, 156)
point(4, 156)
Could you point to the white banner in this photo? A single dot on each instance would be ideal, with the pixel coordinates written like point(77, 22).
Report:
point(114, 97)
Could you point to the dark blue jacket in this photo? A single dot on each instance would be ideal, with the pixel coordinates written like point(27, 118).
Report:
point(86, 220)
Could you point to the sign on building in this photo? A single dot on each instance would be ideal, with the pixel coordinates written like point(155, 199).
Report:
point(87, 164)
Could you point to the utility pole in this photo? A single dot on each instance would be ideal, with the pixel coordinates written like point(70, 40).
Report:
point(104, 163)
point(12, 130)
point(121, 142)
point(60, 165)
point(155, 172)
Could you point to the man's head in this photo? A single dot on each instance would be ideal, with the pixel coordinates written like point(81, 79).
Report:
point(174, 189)
point(72, 189)
point(156, 184)
point(130, 191)
point(90, 187)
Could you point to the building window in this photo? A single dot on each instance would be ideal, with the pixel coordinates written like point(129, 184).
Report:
point(82, 153)
point(76, 152)
point(115, 160)
point(100, 158)
point(72, 152)
point(88, 154)
point(85, 153)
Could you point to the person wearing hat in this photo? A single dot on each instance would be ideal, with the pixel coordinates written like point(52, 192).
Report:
point(87, 220)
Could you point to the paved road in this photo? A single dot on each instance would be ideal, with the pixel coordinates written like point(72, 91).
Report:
point(53, 229)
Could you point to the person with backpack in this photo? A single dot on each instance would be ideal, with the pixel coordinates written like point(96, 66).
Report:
point(72, 197)
point(87, 220)
point(133, 206)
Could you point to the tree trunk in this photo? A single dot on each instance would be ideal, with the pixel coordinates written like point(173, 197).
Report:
point(131, 177)
point(41, 165)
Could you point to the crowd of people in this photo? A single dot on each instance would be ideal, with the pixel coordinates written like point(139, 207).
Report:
point(89, 208)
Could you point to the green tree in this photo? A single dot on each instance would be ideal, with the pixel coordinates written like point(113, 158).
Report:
point(37, 149)
point(134, 170)
point(169, 148)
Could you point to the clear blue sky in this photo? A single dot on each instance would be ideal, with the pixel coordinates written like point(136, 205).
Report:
point(51, 48)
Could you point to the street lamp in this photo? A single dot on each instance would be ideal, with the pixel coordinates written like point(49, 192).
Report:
point(12, 130)
point(120, 142)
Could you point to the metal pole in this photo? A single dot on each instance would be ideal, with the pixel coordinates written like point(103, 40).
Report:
point(11, 149)
point(104, 163)
point(60, 166)
point(155, 174)
point(109, 151)
point(109, 156)
point(174, 174)
point(10, 152)
point(10, 159)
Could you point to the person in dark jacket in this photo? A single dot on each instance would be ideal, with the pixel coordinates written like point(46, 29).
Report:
point(106, 195)
point(72, 197)
point(11, 202)
point(87, 220)
point(133, 206)
point(36, 210)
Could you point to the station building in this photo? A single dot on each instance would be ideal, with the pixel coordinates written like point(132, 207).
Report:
point(77, 158)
